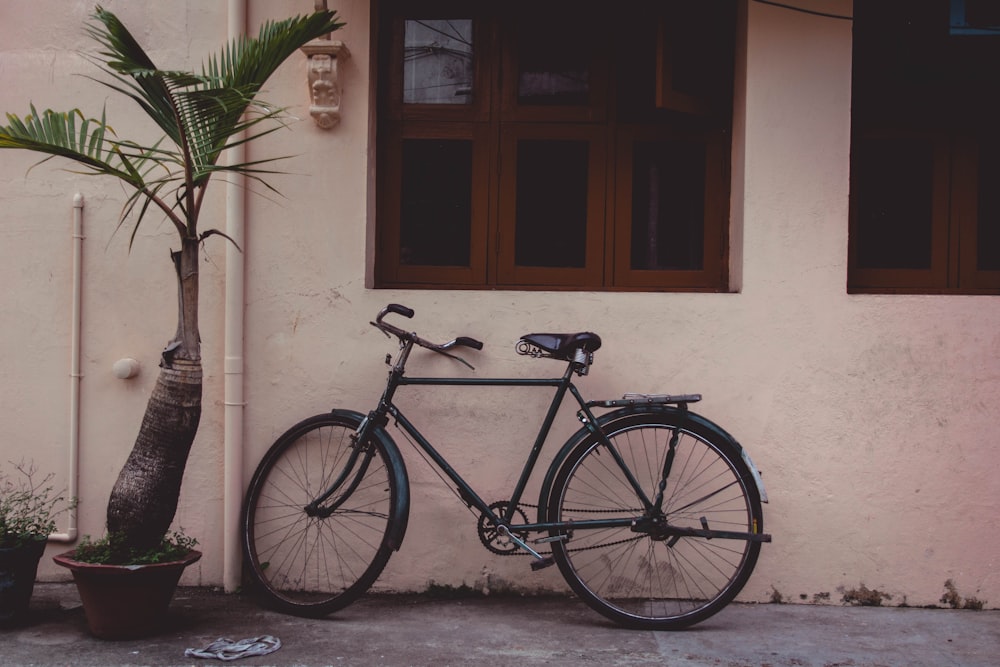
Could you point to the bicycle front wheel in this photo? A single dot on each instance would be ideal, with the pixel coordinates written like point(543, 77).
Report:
point(656, 579)
point(311, 561)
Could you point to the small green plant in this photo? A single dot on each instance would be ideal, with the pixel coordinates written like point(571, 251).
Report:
point(955, 601)
point(174, 546)
point(863, 596)
point(29, 506)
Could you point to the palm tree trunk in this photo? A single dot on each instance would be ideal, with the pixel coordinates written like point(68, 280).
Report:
point(144, 498)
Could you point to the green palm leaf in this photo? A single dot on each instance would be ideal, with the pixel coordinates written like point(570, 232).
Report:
point(201, 114)
point(55, 134)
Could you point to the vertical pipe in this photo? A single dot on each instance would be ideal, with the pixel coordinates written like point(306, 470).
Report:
point(74, 372)
point(233, 364)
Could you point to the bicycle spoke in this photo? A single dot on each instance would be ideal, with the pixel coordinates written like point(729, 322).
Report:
point(649, 579)
point(312, 564)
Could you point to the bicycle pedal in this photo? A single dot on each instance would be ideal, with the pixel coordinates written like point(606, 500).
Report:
point(542, 563)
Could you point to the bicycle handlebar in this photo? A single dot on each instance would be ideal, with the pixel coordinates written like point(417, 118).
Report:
point(387, 329)
point(396, 308)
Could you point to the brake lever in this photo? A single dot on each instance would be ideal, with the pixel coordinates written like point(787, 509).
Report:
point(375, 324)
point(440, 350)
point(461, 340)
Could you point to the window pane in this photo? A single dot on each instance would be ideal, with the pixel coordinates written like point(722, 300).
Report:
point(988, 234)
point(668, 205)
point(551, 227)
point(436, 202)
point(437, 61)
point(893, 184)
point(553, 65)
point(974, 17)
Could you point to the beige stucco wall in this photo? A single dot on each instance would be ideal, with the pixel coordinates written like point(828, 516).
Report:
point(872, 417)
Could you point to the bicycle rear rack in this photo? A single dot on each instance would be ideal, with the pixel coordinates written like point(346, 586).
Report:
point(632, 400)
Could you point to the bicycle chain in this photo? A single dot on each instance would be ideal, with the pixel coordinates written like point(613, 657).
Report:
point(549, 553)
point(482, 516)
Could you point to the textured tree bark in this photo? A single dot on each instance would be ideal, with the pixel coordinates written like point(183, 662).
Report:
point(144, 498)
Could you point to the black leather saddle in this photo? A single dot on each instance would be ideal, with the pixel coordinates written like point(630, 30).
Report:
point(563, 345)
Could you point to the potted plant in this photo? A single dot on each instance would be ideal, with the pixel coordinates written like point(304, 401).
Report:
point(130, 599)
point(28, 510)
point(201, 115)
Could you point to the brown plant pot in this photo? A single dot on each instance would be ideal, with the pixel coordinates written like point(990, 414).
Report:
point(125, 601)
point(18, 567)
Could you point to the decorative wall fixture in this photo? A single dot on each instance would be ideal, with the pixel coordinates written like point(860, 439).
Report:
point(324, 80)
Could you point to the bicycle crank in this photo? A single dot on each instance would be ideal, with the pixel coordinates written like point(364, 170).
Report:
point(499, 539)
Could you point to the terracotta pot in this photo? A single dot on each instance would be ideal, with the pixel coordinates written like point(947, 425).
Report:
point(125, 601)
point(18, 567)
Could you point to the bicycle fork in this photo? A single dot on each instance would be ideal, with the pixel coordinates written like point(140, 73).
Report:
point(360, 450)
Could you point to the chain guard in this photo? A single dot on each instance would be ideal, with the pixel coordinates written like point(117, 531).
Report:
point(493, 539)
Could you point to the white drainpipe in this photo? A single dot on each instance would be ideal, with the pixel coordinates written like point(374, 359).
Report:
point(72, 490)
point(233, 364)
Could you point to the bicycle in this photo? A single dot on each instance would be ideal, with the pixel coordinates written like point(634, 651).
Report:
point(651, 512)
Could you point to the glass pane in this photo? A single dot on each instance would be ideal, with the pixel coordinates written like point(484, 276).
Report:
point(893, 183)
point(437, 61)
point(668, 205)
point(974, 17)
point(551, 227)
point(436, 212)
point(988, 239)
point(553, 65)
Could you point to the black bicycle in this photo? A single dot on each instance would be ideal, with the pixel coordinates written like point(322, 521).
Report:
point(652, 512)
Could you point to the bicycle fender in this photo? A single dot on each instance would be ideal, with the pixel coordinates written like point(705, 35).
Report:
point(398, 470)
point(685, 417)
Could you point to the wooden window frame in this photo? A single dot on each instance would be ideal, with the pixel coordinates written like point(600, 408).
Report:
point(715, 266)
point(388, 262)
point(954, 228)
point(590, 276)
point(495, 121)
point(935, 277)
point(511, 110)
point(965, 214)
point(478, 110)
point(910, 80)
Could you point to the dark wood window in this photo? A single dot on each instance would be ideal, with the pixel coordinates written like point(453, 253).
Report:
point(565, 145)
point(925, 168)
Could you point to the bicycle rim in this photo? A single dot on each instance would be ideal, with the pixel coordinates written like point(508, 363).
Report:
point(313, 565)
point(657, 583)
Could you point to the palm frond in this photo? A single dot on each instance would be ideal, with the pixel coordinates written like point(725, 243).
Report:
point(124, 57)
point(56, 134)
point(202, 114)
point(239, 72)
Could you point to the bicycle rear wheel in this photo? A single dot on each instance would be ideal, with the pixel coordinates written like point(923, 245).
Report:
point(307, 562)
point(653, 579)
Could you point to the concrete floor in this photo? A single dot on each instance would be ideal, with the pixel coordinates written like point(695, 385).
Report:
point(420, 630)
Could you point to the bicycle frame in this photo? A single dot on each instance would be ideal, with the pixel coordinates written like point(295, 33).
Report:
point(645, 554)
point(646, 522)
point(467, 493)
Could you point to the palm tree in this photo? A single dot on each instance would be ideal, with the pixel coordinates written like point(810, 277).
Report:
point(201, 115)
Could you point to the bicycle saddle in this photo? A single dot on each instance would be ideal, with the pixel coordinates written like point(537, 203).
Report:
point(564, 345)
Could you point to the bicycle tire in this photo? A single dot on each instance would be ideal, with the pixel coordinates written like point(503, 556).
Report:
point(311, 565)
point(647, 582)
